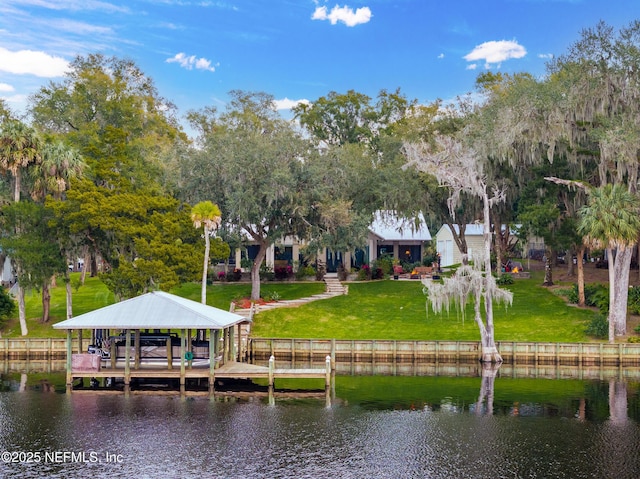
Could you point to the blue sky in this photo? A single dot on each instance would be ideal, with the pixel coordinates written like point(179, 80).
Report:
point(196, 51)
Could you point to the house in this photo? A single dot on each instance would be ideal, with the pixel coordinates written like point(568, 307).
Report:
point(398, 237)
point(448, 249)
point(388, 234)
point(450, 253)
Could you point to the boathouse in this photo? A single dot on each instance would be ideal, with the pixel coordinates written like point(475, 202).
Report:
point(155, 335)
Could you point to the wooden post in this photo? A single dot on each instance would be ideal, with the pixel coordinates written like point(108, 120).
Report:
point(272, 362)
point(69, 363)
point(114, 352)
point(79, 341)
point(183, 343)
point(136, 361)
point(212, 359)
point(327, 377)
point(127, 354)
point(333, 354)
point(239, 342)
point(216, 346)
point(169, 353)
point(232, 344)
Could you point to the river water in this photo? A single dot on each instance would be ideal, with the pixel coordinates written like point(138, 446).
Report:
point(366, 427)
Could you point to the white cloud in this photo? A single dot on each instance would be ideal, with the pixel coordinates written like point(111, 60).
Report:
point(473, 66)
point(191, 62)
point(29, 62)
point(545, 55)
point(287, 104)
point(496, 52)
point(344, 14)
point(441, 56)
point(5, 87)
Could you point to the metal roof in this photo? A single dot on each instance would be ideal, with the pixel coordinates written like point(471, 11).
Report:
point(155, 310)
point(390, 227)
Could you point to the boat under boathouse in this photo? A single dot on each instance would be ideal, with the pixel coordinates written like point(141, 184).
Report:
point(155, 335)
point(162, 337)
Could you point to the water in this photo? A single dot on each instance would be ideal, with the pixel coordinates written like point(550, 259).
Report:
point(375, 427)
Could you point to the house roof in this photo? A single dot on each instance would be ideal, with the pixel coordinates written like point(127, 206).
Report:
point(389, 227)
point(155, 310)
point(471, 229)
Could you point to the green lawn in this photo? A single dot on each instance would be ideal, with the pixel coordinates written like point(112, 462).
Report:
point(372, 310)
point(396, 310)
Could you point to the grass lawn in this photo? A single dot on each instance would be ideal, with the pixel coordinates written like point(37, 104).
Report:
point(372, 310)
point(396, 310)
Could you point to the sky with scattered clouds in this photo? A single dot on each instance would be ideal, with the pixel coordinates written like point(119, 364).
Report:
point(196, 51)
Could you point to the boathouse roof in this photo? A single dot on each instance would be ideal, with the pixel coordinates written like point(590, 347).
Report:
point(155, 310)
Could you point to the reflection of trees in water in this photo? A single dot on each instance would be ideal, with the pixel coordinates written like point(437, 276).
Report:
point(484, 404)
point(618, 401)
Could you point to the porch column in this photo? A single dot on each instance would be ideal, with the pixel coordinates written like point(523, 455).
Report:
point(240, 342)
point(79, 341)
point(270, 257)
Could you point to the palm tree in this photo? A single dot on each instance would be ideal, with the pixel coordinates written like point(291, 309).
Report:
point(611, 220)
point(59, 164)
point(209, 216)
point(19, 149)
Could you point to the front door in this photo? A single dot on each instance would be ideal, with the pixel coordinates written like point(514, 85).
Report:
point(334, 259)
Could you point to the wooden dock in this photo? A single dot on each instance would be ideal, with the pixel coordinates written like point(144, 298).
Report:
point(229, 370)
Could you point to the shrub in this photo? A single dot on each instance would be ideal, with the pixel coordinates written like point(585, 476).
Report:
point(598, 327)
point(266, 272)
point(385, 263)
point(284, 272)
point(221, 275)
point(634, 339)
point(7, 306)
point(235, 276)
point(594, 295)
point(634, 300)
point(305, 271)
point(364, 273)
point(504, 279)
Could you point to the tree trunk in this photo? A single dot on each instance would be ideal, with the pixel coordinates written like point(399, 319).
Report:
point(205, 266)
point(22, 311)
point(255, 271)
point(621, 268)
point(17, 186)
point(46, 301)
point(570, 265)
point(548, 276)
point(69, 291)
point(489, 351)
point(581, 298)
point(85, 264)
point(612, 295)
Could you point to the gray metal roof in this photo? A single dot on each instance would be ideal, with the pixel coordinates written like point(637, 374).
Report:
point(155, 310)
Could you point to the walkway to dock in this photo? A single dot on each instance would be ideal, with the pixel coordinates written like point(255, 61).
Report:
point(333, 288)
